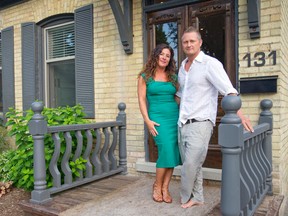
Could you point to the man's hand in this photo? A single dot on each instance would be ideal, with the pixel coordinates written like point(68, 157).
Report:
point(245, 121)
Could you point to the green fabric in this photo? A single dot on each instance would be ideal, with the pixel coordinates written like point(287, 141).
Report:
point(164, 110)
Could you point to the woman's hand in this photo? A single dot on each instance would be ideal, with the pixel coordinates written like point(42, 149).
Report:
point(151, 127)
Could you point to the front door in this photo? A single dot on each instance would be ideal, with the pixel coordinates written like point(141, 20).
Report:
point(215, 21)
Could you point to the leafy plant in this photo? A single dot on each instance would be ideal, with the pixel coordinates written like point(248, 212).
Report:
point(17, 165)
point(5, 141)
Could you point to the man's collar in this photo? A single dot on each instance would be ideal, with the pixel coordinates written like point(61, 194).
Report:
point(200, 56)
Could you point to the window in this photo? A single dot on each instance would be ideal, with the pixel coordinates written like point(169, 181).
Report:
point(60, 65)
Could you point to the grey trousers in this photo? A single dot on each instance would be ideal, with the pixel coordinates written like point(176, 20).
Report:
point(193, 140)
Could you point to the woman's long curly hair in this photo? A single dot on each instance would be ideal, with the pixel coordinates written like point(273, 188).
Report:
point(150, 67)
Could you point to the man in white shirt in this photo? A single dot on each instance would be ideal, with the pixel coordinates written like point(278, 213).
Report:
point(200, 79)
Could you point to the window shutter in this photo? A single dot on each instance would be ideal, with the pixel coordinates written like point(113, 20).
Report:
point(8, 68)
point(84, 65)
point(28, 64)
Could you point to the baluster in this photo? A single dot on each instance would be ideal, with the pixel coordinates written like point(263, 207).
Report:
point(86, 155)
point(266, 116)
point(95, 158)
point(111, 151)
point(53, 167)
point(104, 159)
point(65, 160)
point(78, 151)
point(38, 129)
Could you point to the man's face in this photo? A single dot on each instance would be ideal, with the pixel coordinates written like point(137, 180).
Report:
point(191, 43)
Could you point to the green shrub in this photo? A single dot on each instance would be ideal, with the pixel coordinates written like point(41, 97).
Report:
point(17, 165)
point(6, 142)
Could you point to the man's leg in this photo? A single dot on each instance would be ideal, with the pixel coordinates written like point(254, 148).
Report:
point(194, 144)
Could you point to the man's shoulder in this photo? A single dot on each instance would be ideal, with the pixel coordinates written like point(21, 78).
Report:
point(207, 59)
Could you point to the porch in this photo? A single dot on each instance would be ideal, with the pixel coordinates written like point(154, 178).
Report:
point(130, 195)
point(245, 188)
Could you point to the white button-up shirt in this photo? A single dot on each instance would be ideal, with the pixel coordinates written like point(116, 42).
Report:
point(199, 87)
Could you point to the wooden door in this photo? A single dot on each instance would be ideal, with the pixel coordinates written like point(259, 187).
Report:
point(215, 21)
point(165, 26)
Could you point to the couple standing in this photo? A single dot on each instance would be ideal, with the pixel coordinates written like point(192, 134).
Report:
point(199, 80)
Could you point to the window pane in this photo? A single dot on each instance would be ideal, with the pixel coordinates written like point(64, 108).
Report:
point(151, 2)
point(62, 83)
point(168, 33)
point(61, 42)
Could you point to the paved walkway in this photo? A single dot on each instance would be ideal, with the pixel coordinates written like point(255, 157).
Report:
point(135, 199)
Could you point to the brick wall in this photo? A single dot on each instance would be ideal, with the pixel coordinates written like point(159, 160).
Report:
point(115, 72)
point(283, 141)
point(273, 16)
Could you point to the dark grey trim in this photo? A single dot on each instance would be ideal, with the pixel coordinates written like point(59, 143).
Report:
point(8, 68)
point(84, 59)
point(56, 19)
point(254, 18)
point(28, 36)
point(9, 3)
point(125, 23)
point(168, 5)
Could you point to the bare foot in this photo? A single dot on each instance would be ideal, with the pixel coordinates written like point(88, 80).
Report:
point(191, 203)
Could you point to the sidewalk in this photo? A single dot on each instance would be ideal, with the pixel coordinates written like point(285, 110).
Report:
point(136, 199)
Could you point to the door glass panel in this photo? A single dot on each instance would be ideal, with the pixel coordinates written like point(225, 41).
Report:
point(151, 2)
point(212, 29)
point(168, 33)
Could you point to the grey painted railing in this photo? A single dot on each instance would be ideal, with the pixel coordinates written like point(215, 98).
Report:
point(246, 161)
point(98, 150)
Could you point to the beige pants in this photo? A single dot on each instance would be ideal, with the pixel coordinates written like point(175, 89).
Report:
point(193, 140)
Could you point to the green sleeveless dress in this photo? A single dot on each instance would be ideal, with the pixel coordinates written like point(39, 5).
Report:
point(163, 109)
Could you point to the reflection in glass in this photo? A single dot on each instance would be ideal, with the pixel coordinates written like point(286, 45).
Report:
point(212, 30)
point(62, 83)
point(168, 33)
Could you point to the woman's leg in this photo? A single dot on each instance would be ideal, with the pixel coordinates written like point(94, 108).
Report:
point(165, 187)
point(157, 186)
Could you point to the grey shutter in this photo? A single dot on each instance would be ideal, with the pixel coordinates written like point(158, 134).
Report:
point(8, 68)
point(84, 59)
point(28, 64)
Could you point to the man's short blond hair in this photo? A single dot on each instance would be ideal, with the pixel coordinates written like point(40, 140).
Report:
point(193, 29)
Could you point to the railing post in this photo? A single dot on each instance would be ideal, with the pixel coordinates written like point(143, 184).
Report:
point(231, 140)
point(266, 116)
point(38, 128)
point(122, 137)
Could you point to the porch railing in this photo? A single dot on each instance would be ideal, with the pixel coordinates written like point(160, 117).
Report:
point(247, 159)
point(98, 150)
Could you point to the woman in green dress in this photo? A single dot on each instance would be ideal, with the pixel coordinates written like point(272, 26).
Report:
point(157, 84)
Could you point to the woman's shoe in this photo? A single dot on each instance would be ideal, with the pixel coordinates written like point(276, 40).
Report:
point(157, 194)
point(166, 195)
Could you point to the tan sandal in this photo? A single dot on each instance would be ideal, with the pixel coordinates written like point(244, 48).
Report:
point(166, 195)
point(157, 194)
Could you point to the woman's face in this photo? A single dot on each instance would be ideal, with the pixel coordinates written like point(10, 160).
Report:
point(164, 58)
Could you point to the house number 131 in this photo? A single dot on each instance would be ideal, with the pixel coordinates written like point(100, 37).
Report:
point(259, 59)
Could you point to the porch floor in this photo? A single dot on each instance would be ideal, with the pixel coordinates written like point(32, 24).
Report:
point(129, 195)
